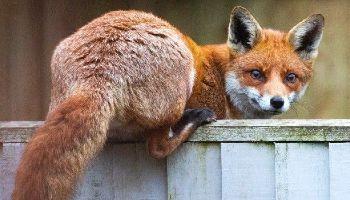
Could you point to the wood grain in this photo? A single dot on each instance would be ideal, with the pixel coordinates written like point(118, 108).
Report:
point(229, 131)
point(213, 164)
point(10, 155)
point(302, 171)
point(124, 171)
point(339, 165)
point(194, 172)
point(248, 171)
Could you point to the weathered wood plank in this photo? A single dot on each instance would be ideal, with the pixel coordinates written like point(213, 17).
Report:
point(230, 131)
point(274, 131)
point(10, 155)
point(124, 171)
point(194, 172)
point(136, 175)
point(17, 131)
point(302, 171)
point(97, 182)
point(339, 167)
point(282, 123)
point(248, 171)
point(210, 170)
point(281, 171)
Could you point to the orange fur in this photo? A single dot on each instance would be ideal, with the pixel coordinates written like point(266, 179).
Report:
point(273, 54)
point(58, 152)
point(140, 73)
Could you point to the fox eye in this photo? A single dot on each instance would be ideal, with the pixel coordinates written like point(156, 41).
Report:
point(291, 78)
point(257, 74)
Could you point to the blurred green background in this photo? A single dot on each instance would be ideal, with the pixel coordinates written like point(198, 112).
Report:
point(29, 31)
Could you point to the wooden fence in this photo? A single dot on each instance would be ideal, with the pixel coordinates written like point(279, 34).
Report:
point(240, 159)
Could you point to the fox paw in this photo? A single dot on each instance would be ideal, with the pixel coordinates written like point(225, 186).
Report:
point(196, 117)
point(200, 116)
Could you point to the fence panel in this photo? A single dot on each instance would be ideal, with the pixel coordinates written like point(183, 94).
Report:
point(248, 171)
point(194, 172)
point(339, 167)
point(124, 171)
point(302, 171)
point(238, 159)
point(10, 155)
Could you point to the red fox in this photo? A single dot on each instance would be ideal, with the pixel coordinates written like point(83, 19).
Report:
point(137, 73)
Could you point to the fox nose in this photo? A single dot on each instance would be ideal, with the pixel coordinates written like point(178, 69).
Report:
point(277, 102)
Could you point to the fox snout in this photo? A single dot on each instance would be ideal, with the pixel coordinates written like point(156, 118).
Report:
point(277, 102)
point(268, 103)
point(260, 102)
point(271, 69)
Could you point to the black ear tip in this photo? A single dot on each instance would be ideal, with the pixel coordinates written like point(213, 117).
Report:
point(317, 18)
point(240, 10)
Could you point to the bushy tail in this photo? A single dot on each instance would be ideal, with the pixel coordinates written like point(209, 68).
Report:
point(60, 150)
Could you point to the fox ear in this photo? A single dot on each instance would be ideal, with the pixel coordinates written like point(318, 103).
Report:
point(243, 30)
point(306, 36)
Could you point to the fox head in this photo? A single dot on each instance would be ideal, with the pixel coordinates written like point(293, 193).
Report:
point(269, 69)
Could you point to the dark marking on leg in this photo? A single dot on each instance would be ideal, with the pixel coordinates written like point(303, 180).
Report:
point(194, 117)
point(161, 145)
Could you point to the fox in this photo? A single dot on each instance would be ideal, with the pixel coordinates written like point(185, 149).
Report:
point(135, 72)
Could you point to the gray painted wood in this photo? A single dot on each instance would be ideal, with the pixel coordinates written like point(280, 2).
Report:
point(17, 131)
point(194, 172)
point(281, 171)
point(97, 182)
point(221, 169)
point(122, 171)
point(302, 171)
point(125, 171)
point(10, 155)
point(273, 130)
point(286, 130)
point(339, 166)
point(248, 171)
